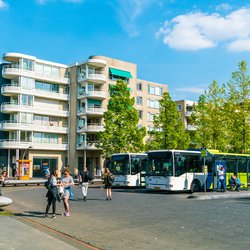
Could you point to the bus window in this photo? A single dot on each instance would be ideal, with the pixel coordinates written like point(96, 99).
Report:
point(120, 165)
point(135, 166)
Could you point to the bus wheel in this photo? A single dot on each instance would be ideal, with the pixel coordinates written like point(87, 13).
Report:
point(195, 186)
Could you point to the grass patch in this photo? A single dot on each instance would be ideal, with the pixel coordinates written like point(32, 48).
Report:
point(5, 213)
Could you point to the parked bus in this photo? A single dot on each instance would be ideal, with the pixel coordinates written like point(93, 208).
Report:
point(129, 169)
point(183, 170)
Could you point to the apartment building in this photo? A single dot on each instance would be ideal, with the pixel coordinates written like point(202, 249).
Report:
point(53, 112)
point(185, 108)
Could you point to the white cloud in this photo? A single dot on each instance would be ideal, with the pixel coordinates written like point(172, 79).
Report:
point(195, 31)
point(196, 90)
point(240, 45)
point(224, 6)
point(3, 5)
point(128, 12)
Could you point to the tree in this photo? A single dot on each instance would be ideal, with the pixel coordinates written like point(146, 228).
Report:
point(121, 133)
point(210, 120)
point(169, 132)
point(238, 109)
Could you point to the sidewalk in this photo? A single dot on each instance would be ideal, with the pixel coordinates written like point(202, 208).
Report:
point(219, 195)
point(18, 235)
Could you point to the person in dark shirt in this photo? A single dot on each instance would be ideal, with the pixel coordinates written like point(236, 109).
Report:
point(84, 182)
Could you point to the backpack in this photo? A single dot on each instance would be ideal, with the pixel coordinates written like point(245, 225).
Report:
point(91, 176)
point(111, 178)
point(48, 184)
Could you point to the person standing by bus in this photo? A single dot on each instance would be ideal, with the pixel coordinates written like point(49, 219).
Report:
point(108, 178)
point(67, 182)
point(84, 182)
point(222, 178)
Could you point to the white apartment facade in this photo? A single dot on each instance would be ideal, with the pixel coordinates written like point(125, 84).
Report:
point(53, 111)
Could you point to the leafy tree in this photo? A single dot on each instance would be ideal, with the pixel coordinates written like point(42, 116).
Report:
point(210, 119)
point(169, 132)
point(122, 133)
point(238, 109)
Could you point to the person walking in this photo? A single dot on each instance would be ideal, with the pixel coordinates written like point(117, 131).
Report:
point(84, 182)
point(222, 179)
point(3, 180)
point(108, 178)
point(67, 182)
point(52, 194)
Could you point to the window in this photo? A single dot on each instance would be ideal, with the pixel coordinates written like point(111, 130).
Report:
point(27, 83)
point(153, 103)
point(154, 90)
point(27, 64)
point(179, 107)
point(139, 86)
point(140, 113)
point(139, 100)
point(47, 86)
point(26, 117)
point(27, 100)
point(151, 117)
point(45, 138)
point(47, 70)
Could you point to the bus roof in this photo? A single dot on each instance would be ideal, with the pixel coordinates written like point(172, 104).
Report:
point(176, 150)
point(217, 152)
point(129, 154)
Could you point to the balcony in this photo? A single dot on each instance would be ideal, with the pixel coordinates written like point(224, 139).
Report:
point(17, 144)
point(14, 89)
point(89, 145)
point(13, 71)
point(92, 94)
point(96, 78)
point(15, 107)
point(91, 111)
point(90, 128)
point(14, 125)
point(188, 113)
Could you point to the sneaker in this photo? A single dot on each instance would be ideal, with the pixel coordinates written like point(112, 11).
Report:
point(64, 214)
point(53, 216)
point(107, 199)
point(45, 216)
point(67, 214)
point(110, 198)
point(84, 198)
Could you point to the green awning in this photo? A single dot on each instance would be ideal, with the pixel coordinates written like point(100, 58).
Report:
point(122, 73)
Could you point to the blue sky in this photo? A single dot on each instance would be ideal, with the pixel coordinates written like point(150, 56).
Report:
point(185, 44)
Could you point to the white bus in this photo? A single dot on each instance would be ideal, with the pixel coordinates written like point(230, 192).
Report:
point(129, 169)
point(176, 170)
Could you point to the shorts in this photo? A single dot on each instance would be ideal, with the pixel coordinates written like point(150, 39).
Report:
point(66, 194)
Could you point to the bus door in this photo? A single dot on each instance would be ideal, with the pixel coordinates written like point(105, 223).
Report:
point(143, 165)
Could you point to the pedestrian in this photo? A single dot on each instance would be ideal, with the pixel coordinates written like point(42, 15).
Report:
point(67, 182)
point(108, 178)
point(3, 180)
point(52, 194)
point(84, 182)
point(236, 181)
point(222, 179)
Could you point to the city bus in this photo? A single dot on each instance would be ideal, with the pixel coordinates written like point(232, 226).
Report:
point(129, 169)
point(189, 170)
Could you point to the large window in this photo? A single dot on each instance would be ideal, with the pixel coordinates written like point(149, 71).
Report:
point(139, 100)
point(153, 90)
point(47, 86)
point(45, 138)
point(41, 164)
point(27, 64)
point(26, 100)
point(27, 83)
point(153, 103)
point(47, 70)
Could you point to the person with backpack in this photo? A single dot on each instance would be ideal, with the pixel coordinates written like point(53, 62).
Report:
point(108, 178)
point(84, 178)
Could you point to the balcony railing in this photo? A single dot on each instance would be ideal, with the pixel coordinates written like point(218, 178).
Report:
point(16, 107)
point(50, 127)
point(97, 77)
point(10, 71)
point(90, 111)
point(95, 94)
point(91, 128)
point(10, 89)
point(91, 145)
point(17, 144)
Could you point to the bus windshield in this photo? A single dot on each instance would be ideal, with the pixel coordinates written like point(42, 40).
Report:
point(120, 164)
point(138, 164)
point(160, 163)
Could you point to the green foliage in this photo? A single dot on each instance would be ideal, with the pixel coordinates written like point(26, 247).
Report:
point(122, 133)
point(169, 132)
point(222, 116)
point(209, 119)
